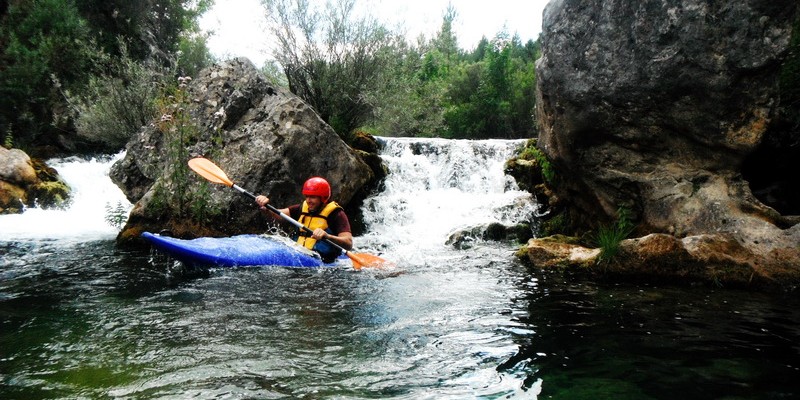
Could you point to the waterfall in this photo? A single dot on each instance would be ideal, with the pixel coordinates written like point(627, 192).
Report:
point(434, 188)
point(84, 218)
point(438, 186)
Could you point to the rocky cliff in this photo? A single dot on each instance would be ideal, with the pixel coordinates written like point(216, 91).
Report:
point(266, 140)
point(654, 106)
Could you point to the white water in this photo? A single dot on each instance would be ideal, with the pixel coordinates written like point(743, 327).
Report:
point(437, 329)
point(435, 187)
point(85, 217)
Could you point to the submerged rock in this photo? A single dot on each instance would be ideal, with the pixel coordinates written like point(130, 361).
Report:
point(466, 238)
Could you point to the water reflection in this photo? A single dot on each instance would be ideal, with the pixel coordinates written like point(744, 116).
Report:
point(642, 341)
point(127, 324)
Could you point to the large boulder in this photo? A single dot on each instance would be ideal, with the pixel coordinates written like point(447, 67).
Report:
point(654, 106)
point(266, 139)
point(26, 182)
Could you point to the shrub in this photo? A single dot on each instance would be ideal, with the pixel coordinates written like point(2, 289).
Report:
point(531, 152)
point(8, 140)
point(609, 237)
point(116, 106)
point(116, 214)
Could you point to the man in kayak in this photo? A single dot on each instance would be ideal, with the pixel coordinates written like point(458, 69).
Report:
point(324, 218)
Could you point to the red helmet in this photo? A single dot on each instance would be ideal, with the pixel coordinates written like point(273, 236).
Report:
point(317, 186)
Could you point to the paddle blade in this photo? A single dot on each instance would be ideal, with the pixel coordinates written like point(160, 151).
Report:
point(210, 171)
point(364, 260)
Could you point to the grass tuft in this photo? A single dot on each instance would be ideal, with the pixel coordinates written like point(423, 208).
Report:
point(609, 237)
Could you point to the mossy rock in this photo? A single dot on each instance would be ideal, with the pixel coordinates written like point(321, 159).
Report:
point(522, 232)
point(558, 223)
point(558, 238)
point(365, 142)
point(495, 231)
point(375, 163)
point(51, 191)
point(12, 198)
point(53, 194)
point(526, 172)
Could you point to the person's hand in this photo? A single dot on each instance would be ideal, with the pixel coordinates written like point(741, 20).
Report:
point(262, 201)
point(319, 234)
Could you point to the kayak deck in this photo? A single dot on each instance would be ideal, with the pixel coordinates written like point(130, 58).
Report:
point(239, 250)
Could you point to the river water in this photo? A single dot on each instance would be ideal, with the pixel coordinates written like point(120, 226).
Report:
point(81, 318)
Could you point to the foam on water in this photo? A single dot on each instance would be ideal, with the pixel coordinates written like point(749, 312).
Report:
point(85, 217)
point(436, 187)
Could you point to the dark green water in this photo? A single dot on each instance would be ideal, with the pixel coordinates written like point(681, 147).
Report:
point(87, 320)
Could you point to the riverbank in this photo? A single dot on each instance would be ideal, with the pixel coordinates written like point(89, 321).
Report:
point(717, 261)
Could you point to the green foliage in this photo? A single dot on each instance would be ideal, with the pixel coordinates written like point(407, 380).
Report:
point(272, 71)
point(330, 57)
point(609, 237)
point(47, 49)
point(410, 101)
point(355, 73)
point(179, 130)
point(152, 30)
point(56, 51)
point(201, 208)
point(531, 152)
point(116, 214)
point(193, 54)
point(116, 105)
point(445, 42)
point(8, 140)
point(548, 173)
point(556, 224)
point(85, 71)
point(493, 96)
point(158, 204)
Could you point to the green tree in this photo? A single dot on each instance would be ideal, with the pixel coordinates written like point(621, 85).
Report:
point(440, 90)
point(115, 105)
point(493, 96)
point(445, 41)
point(152, 29)
point(47, 47)
point(357, 74)
point(409, 100)
point(331, 58)
point(412, 100)
point(54, 50)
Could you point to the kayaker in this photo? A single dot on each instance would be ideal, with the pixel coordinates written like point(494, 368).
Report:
point(325, 218)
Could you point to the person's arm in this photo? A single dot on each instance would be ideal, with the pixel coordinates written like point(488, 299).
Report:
point(340, 224)
point(343, 239)
point(262, 202)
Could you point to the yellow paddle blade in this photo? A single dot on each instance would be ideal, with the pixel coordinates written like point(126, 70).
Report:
point(209, 170)
point(364, 260)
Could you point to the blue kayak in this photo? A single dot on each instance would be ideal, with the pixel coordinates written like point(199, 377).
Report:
point(240, 250)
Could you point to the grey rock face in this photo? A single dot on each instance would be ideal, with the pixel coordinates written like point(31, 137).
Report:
point(266, 140)
point(654, 105)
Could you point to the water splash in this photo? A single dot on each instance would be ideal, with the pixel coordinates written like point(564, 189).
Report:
point(438, 186)
point(85, 217)
point(435, 187)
